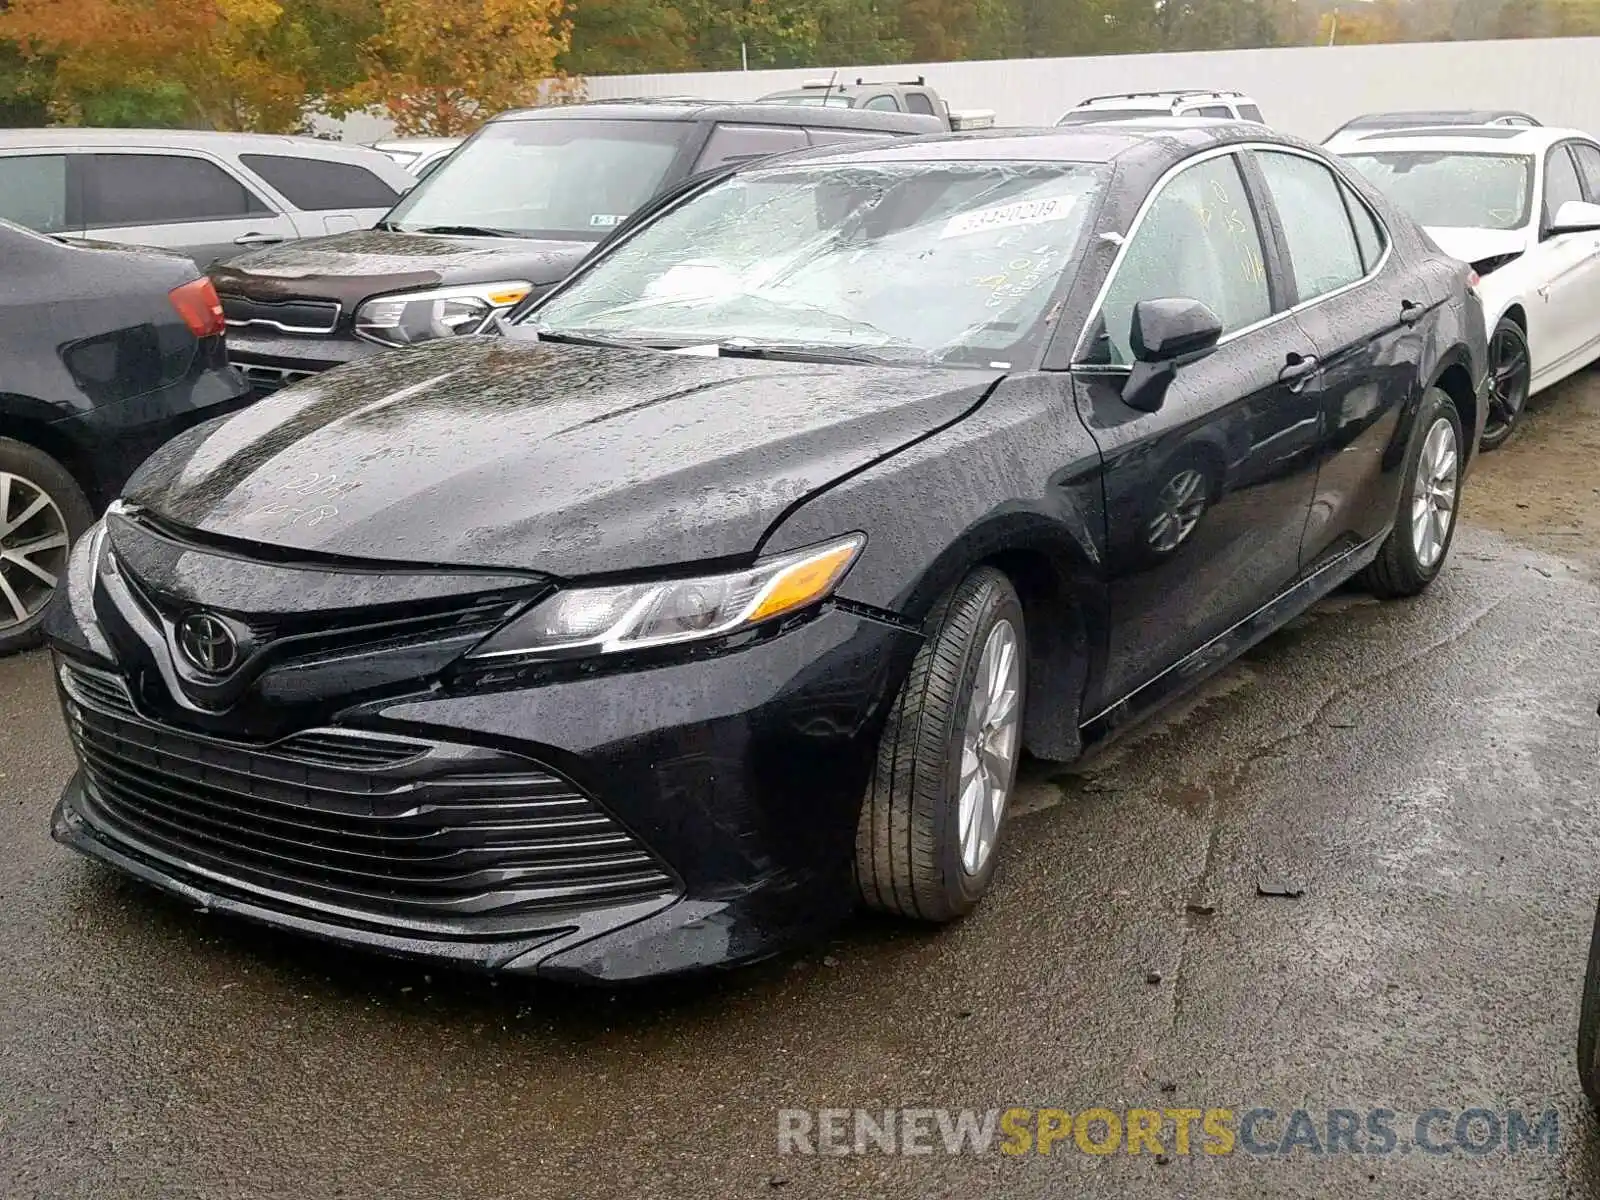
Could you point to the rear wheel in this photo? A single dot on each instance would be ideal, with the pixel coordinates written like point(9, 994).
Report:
point(1510, 373)
point(935, 810)
point(42, 511)
point(1430, 495)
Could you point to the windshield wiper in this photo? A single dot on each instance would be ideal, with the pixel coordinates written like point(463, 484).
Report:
point(797, 352)
point(580, 339)
point(462, 230)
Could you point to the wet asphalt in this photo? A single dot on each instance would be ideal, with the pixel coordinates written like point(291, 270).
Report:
point(1425, 774)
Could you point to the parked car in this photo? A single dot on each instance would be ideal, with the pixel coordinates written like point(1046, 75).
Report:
point(206, 195)
point(418, 155)
point(913, 97)
point(507, 216)
point(1522, 205)
point(105, 353)
point(1370, 122)
point(729, 586)
point(1141, 106)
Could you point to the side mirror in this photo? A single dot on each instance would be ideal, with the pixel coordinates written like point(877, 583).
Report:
point(1166, 334)
point(1575, 216)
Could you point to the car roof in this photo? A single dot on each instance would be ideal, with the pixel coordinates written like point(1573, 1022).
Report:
point(1443, 116)
point(417, 143)
point(180, 139)
point(1461, 139)
point(743, 114)
point(1153, 140)
point(1127, 99)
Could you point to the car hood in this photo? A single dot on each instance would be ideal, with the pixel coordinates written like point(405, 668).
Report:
point(353, 267)
point(559, 459)
point(1475, 245)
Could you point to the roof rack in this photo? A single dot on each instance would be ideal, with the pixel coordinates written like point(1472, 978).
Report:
point(919, 81)
point(1176, 93)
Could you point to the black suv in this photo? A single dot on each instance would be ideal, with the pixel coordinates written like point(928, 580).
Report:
point(507, 216)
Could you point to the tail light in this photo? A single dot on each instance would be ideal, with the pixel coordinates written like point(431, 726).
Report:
point(1473, 279)
point(200, 307)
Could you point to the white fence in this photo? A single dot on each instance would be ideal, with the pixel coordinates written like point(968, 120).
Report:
point(1308, 90)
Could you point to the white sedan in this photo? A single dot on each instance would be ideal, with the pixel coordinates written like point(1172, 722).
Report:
point(1523, 207)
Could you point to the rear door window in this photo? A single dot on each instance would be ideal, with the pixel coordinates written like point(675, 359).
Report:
point(738, 143)
point(1588, 156)
point(318, 185)
point(33, 191)
point(919, 102)
point(884, 103)
point(1323, 251)
point(1560, 181)
point(162, 189)
point(1213, 110)
point(1251, 113)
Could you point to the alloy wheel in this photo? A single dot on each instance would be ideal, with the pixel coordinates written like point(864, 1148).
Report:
point(1509, 376)
point(34, 544)
point(1433, 497)
point(1178, 510)
point(989, 745)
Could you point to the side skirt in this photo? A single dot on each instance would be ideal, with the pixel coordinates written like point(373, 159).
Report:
point(1228, 645)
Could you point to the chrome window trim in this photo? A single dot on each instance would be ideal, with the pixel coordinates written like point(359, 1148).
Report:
point(1077, 362)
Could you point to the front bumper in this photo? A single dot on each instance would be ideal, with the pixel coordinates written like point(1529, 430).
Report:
point(272, 361)
point(740, 773)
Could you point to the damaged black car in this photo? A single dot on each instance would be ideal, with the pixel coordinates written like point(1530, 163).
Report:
point(726, 590)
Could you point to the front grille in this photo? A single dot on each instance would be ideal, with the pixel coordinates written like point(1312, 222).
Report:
point(304, 637)
point(307, 317)
point(397, 830)
point(270, 379)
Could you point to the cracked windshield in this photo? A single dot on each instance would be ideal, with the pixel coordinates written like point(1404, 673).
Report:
point(914, 262)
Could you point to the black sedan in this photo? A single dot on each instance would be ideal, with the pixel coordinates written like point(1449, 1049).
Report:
point(728, 588)
point(105, 353)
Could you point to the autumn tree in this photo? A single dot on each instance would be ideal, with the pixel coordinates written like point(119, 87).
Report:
point(626, 37)
point(226, 64)
point(443, 67)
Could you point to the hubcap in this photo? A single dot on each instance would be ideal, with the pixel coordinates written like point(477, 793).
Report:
point(989, 745)
point(1178, 510)
point(1508, 378)
point(1433, 503)
point(33, 549)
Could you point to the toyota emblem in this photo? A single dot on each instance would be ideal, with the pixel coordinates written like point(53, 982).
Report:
point(208, 644)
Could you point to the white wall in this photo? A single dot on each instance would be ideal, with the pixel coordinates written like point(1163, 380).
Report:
point(1308, 90)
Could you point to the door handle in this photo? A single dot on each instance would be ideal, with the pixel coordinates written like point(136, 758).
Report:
point(1410, 312)
point(1298, 369)
point(257, 239)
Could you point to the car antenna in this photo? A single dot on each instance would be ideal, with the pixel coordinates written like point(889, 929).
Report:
point(828, 91)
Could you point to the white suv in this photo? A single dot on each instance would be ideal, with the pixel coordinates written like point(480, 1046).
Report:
point(1134, 106)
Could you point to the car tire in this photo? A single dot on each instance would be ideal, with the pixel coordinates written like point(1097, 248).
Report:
point(1510, 374)
point(931, 821)
point(29, 476)
point(1425, 521)
point(1589, 1021)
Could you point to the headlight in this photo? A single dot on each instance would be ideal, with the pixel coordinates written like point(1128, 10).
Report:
point(422, 316)
point(605, 620)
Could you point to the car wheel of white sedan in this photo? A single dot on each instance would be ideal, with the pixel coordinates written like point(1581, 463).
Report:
point(1510, 372)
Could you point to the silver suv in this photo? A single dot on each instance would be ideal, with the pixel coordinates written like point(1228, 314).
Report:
point(1133, 106)
point(207, 195)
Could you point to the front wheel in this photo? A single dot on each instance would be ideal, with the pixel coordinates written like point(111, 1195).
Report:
point(1510, 374)
point(934, 812)
point(1430, 496)
point(42, 512)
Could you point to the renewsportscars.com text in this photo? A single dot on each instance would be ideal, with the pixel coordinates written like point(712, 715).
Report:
point(1174, 1132)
